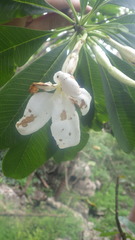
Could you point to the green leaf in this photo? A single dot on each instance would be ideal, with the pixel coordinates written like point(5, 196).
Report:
point(128, 21)
point(113, 28)
point(96, 6)
point(90, 78)
point(16, 47)
point(99, 3)
point(120, 103)
point(110, 10)
point(83, 4)
point(127, 224)
point(46, 6)
point(15, 94)
point(130, 38)
point(125, 39)
point(10, 9)
point(128, 4)
point(29, 154)
point(38, 3)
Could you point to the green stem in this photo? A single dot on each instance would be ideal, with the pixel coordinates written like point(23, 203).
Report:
point(73, 10)
point(94, 10)
point(99, 35)
point(65, 16)
point(63, 29)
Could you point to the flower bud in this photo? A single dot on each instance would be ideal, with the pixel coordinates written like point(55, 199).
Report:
point(101, 56)
point(126, 52)
point(71, 61)
point(113, 71)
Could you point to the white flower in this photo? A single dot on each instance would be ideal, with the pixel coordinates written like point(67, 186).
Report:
point(59, 106)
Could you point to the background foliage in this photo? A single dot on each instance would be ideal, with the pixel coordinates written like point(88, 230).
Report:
point(112, 101)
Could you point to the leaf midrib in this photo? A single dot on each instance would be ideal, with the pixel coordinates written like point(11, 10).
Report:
point(20, 44)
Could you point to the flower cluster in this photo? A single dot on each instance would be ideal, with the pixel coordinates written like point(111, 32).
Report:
point(57, 102)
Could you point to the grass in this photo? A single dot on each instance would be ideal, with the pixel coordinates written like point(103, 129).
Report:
point(40, 228)
point(107, 162)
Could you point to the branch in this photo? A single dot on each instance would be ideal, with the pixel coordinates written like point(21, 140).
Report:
point(122, 234)
point(45, 184)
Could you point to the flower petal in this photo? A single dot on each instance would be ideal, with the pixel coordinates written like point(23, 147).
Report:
point(65, 126)
point(68, 84)
point(36, 114)
point(83, 101)
point(47, 86)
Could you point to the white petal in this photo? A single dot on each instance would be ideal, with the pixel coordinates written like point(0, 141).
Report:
point(47, 86)
point(67, 132)
point(36, 114)
point(68, 83)
point(65, 126)
point(61, 103)
point(83, 101)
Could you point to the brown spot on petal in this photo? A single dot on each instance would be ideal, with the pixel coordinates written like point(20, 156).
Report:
point(60, 140)
point(25, 121)
point(83, 104)
point(69, 134)
point(36, 86)
point(63, 115)
point(33, 89)
point(74, 101)
point(30, 110)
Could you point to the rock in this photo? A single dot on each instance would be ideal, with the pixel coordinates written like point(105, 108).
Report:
point(80, 169)
point(39, 196)
point(82, 207)
point(85, 187)
point(98, 184)
point(9, 197)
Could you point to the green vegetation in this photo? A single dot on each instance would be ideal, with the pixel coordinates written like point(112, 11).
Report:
point(59, 225)
point(107, 162)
